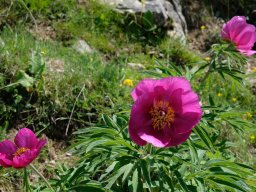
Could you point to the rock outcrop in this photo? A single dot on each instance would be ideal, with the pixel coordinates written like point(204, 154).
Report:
point(167, 13)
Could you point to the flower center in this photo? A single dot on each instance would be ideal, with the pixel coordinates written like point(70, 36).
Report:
point(162, 114)
point(20, 151)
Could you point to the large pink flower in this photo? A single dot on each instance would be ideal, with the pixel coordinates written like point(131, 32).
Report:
point(23, 151)
point(164, 112)
point(242, 34)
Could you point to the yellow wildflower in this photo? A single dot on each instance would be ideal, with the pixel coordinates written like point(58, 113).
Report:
point(252, 138)
point(202, 27)
point(254, 69)
point(220, 94)
point(128, 82)
point(234, 99)
point(207, 58)
point(43, 52)
point(249, 115)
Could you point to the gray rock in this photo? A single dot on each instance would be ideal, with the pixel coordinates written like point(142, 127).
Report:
point(174, 11)
point(136, 66)
point(82, 47)
point(165, 12)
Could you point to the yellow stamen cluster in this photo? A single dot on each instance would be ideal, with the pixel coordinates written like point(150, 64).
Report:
point(162, 114)
point(20, 151)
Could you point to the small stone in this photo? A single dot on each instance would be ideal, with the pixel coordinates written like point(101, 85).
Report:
point(68, 154)
point(52, 162)
point(82, 47)
point(137, 66)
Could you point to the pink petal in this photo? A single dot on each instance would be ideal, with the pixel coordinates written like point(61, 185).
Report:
point(139, 118)
point(4, 161)
point(170, 83)
point(137, 139)
point(173, 83)
point(159, 92)
point(225, 32)
point(228, 31)
point(246, 36)
point(175, 100)
point(190, 102)
point(158, 138)
point(40, 144)
point(26, 138)
point(7, 147)
point(247, 52)
point(145, 86)
point(236, 27)
point(24, 159)
point(185, 122)
point(246, 41)
point(177, 139)
point(151, 138)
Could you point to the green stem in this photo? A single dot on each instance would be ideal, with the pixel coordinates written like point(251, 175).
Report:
point(12, 84)
point(26, 186)
point(149, 149)
point(45, 180)
point(207, 74)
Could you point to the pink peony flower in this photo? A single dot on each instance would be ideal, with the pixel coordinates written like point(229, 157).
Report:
point(23, 151)
point(242, 34)
point(164, 112)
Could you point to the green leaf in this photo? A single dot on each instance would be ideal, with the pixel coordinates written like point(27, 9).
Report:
point(135, 181)
point(166, 177)
point(36, 66)
point(96, 130)
point(121, 142)
point(24, 79)
point(108, 170)
point(230, 183)
point(145, 172)
point(193, 152)
point(116, 175)
point(94, 144)
point(237, 168)
point(87, 188)
point(181, 181)
point(127, 171)
point(204, 136)
point(110, 122)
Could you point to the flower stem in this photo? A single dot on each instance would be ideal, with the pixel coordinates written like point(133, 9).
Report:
point(206, 74)
point(149, 149)
point(45, 180)
point(26, 186)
